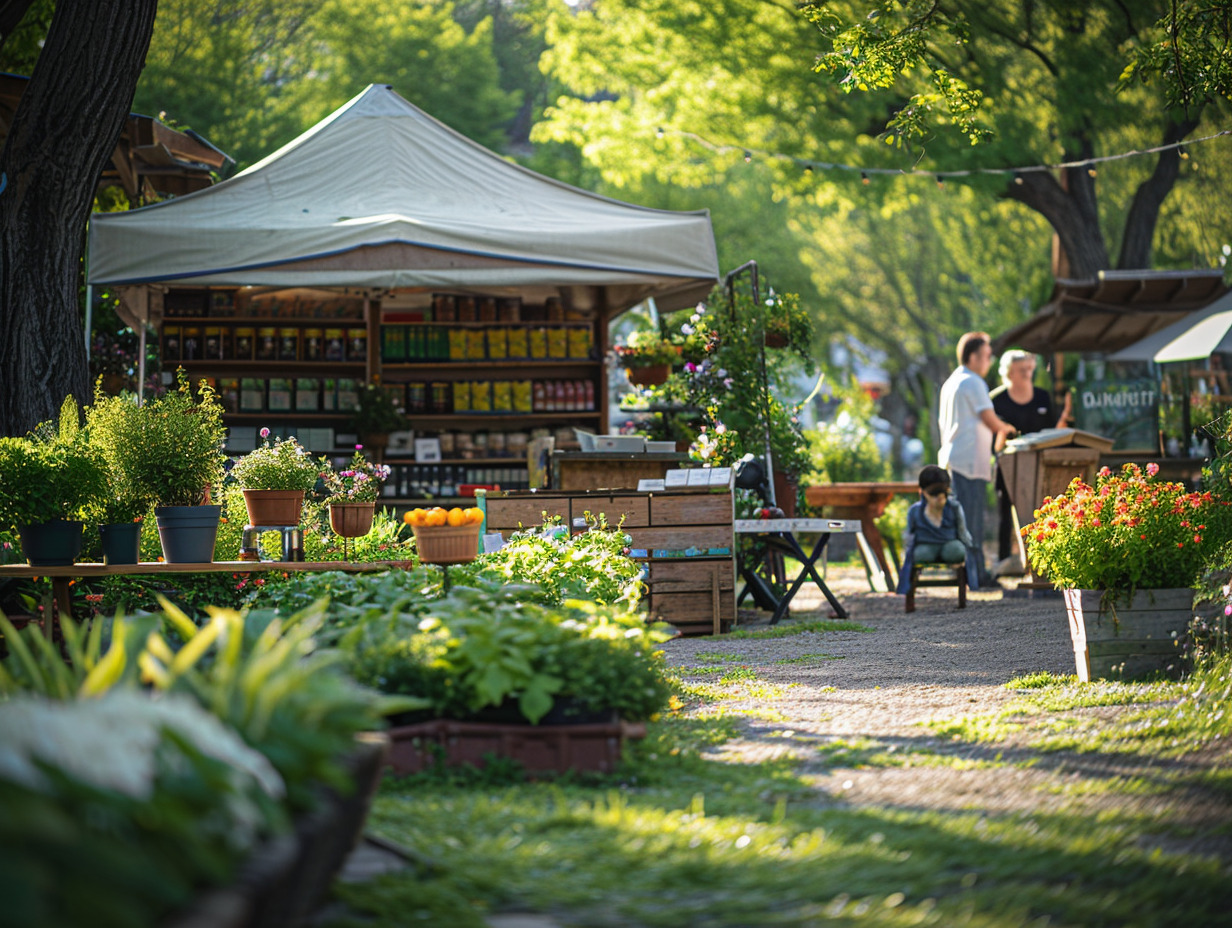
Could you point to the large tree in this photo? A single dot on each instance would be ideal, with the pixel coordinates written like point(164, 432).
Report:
point(63, 132)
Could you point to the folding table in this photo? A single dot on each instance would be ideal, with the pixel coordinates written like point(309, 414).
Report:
point(780, 535)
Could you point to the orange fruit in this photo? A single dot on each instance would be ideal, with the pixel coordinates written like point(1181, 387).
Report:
point(415, 517)
point(474, 515)
point(457, 517)
point(436, 516)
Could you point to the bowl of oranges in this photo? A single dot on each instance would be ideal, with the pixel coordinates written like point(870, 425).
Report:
point(446, 536)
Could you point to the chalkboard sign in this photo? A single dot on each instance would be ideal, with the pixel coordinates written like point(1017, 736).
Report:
point(1120, 401)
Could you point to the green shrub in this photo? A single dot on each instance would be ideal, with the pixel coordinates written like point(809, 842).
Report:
point(111, 423)
point(177, 445)
point(284, 465)
point(55, 474)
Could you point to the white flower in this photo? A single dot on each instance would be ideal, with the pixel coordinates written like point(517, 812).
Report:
point(686, 329)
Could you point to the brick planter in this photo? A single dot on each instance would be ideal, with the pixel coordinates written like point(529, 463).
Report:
point(538, 748)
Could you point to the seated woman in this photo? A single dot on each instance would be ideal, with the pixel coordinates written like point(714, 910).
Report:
point(936, 530)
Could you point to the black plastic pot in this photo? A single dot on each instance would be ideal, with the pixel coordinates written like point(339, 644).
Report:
point(51, 544)
point(188, 533)
point(121, 542)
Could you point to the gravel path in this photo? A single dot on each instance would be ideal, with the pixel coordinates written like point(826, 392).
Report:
point(850, 707)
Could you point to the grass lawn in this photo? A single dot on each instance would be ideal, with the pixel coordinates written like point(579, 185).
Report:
point(679, 838)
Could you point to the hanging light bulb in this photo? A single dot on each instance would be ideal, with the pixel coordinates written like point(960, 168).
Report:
point(864, 178)
point(940, 182)
point(659, 132)
point(1018, 180)
point(748, 156)
point(1091, 172)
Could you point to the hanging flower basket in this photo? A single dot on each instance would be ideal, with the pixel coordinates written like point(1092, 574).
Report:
point(650, 376)
point(776, 339)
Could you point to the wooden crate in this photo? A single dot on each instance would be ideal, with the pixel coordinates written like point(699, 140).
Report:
point(508, 514)
point(635, 510)
point(691, 509)
point(689, 576)
point(699, 538)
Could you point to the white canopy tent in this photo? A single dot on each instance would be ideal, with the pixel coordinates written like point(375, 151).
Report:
point(379, 196)
point(1198, 335)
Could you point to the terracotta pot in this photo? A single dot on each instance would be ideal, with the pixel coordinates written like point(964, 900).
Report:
point(776, 340)
point(351, 520)
point(274, 507)
point(651, 376)
point(786, 489)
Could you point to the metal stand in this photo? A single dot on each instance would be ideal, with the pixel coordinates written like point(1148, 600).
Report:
point(292, 542)
point(780, 534)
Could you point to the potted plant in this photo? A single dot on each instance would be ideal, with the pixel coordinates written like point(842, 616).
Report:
point(376, 415)
point(46, 483)
point(1127, 553)
point(274, 479)
point(176, 458)
point(352, 494)
point(647, 358)
point(786, 324)
point(110, 425)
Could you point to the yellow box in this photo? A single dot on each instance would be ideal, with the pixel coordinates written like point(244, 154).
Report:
point(523, 394)
point(457, 344)
point(498, 344)
point(518, 343)
point(502, 396)
point(580, 341)
point(481, 396)
point(461, 396)
point(558, 342)
point(476, 345)
point(538, 343)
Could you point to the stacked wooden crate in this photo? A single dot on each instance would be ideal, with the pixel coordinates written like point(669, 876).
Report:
point(684, 539)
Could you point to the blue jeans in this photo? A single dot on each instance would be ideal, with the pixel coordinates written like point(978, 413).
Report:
point(952, 552)
point(971, 495)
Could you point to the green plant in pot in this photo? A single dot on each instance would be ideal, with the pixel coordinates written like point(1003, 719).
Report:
point(46, 483)
point(110, 425)
point(176, 459)
point(1127, 553)
point(274, 479)
point(376, 415)
point(647, 358)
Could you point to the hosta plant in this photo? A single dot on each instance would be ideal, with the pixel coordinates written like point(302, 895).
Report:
point(1127, 532)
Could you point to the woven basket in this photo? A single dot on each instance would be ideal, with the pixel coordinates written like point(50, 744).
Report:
point(447, 544)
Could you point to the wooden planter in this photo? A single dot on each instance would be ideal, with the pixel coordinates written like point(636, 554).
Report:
point(651, 376)
point(775, 339)
point(274, 507)
point(1131, 638)
point(351, 520)
point(538, 748)
point(288, 876)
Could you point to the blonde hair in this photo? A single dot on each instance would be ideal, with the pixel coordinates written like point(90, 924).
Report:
point(1013, 356)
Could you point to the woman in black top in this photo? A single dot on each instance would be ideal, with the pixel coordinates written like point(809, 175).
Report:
point(1029, 409)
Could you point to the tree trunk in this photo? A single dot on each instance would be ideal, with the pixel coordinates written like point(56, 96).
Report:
point(1144, 212)
point(1071, 213)
point(63, 132)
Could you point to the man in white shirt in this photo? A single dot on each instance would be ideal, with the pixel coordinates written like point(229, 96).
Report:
point(968, 428)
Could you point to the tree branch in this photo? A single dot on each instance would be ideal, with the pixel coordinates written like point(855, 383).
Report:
point(1148, 199)
point(11, 12)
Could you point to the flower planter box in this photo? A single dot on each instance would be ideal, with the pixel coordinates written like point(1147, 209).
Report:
point(1128, 639)
point(538, 748)
point(286, 878)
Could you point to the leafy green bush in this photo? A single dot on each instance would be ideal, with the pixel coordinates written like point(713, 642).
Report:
point(177, 445)
point(484, 649)
point(844, 450)
point(593, 565)
point(55, 474)
point(111, 423)
point(284, 465)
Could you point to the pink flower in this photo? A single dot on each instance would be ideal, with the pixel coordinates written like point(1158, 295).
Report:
point(265, 433)
point(1105, 472)
point(1152, 469)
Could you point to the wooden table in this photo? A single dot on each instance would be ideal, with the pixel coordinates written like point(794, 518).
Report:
point(62, 577)
point(866, 502)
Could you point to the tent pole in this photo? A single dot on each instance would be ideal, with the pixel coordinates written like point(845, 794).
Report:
point(751, 267)
point(141, 364)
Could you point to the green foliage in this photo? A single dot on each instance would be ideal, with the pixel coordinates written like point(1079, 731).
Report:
point(474, 650)
point(93, 834)
point(1187, 53)
point(284, 465)
point(111, 423)
point(375, 412)
point(1129, 531)
point(593, 565)
point(844, 450)
point(54, 474)
point(177, 445)
point(646, 349)
point(193, 593)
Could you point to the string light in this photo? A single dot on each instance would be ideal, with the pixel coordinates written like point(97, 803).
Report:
point(659, 133)
point(809, 165)
point(940, 182)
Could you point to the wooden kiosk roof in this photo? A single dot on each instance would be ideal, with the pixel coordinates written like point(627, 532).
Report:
point(1112, 311)
point(150, 158)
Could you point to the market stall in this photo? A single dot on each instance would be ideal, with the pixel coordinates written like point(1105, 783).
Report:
point(381, 247)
